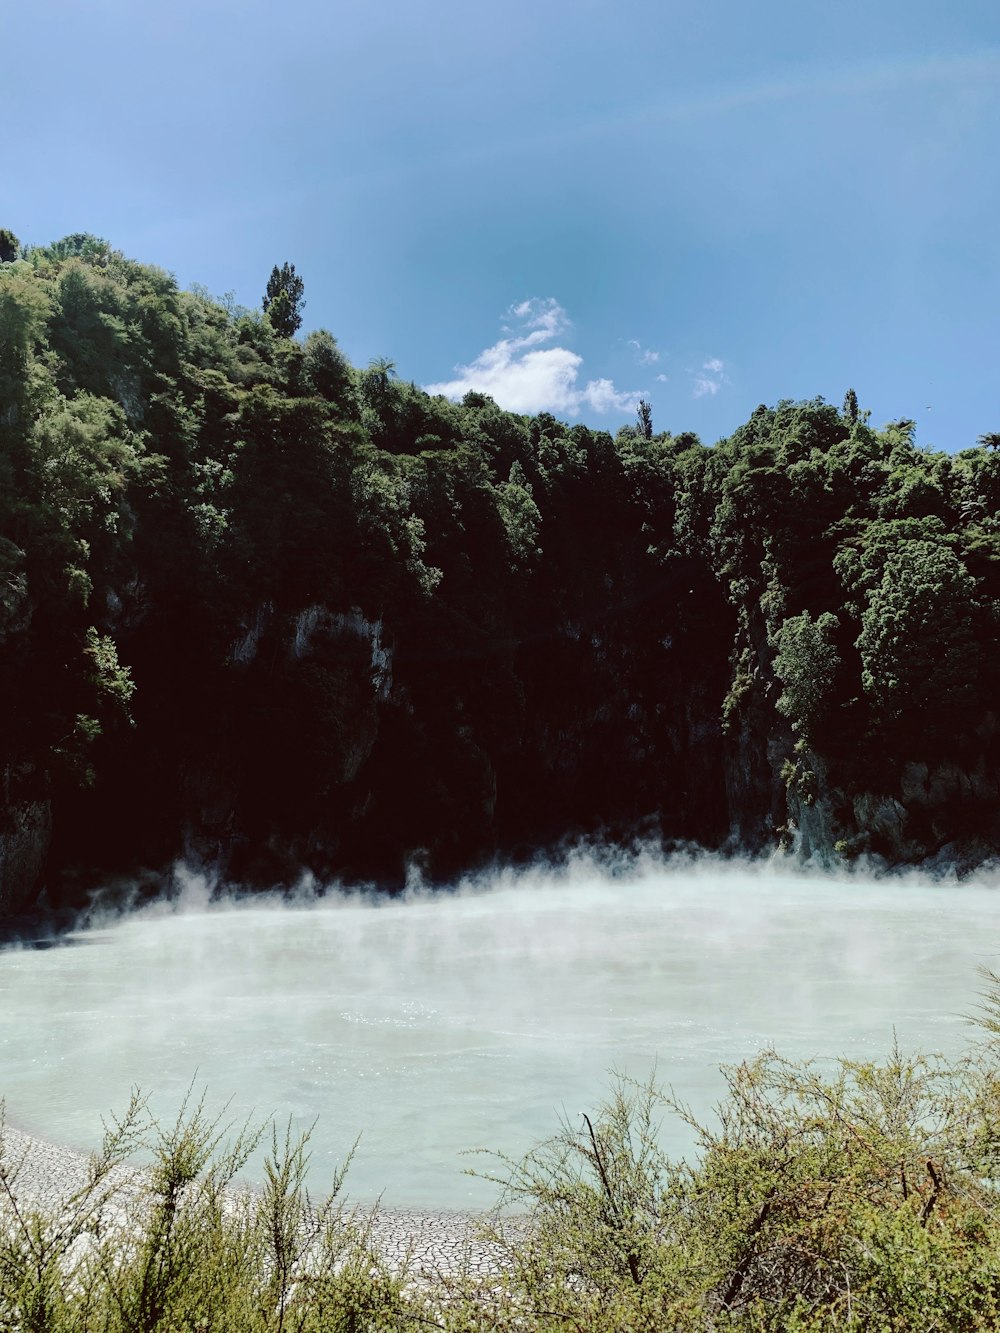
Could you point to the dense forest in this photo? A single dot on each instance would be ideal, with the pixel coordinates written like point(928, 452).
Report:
point(271, 612)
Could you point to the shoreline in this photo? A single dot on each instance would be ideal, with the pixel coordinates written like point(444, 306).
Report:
point(433, 1241)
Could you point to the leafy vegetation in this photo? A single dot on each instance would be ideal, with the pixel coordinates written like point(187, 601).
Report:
point(268, 609)
point(180, 1248)
point(854, 1196)
point(283, 300)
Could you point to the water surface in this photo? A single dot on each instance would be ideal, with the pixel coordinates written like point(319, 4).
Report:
point(444, 1023)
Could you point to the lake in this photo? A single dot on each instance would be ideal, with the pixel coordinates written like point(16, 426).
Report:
point(439, 1023)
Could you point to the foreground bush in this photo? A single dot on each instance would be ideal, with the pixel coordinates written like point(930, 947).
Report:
point(849, 1196)
point(179, 1249)
point(862, 1198)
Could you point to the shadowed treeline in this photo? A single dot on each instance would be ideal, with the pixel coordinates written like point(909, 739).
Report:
point(271, 611)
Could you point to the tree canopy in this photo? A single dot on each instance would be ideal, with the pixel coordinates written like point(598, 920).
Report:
point(259, 602)
point(283, 303)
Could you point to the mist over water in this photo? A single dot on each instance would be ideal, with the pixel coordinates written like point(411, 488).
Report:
point(439, 1023)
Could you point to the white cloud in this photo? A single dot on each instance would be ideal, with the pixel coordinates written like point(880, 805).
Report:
point(524, 377)
point(710, 379)
point(662, 378)
point(541, 320)
point(602, 396)
point(644, 355)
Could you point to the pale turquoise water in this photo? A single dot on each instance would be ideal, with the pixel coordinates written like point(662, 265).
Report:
point(448, 1023)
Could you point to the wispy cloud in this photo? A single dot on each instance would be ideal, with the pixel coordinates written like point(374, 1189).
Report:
point(710, 378)
point(523, 376)
point(539, 321)
point(644, 355)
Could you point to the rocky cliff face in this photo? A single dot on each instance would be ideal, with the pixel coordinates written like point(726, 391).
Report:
point(25, 838)
point(330, 742)
point(943, 814)
point(333, 741)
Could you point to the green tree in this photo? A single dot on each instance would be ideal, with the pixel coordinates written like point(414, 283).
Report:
point(918, 641)
point(380, 400)
point(81, 245)
point(10, 246)
point(645, 420)
point(24, 310)
point(327, 372)
point(520, 515)
point(806, 663)
point(283, 303)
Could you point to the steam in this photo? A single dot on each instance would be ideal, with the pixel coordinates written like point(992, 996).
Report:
point(435, 1022)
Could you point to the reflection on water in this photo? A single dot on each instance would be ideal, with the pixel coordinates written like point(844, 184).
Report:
point(447, 1023)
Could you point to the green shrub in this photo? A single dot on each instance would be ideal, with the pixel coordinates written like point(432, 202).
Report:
point(177, 1248)
point(851, 1196)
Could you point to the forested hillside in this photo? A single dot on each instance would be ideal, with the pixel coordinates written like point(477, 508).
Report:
point(269, 611)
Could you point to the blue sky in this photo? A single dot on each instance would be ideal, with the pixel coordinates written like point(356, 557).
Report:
point(709, 202)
